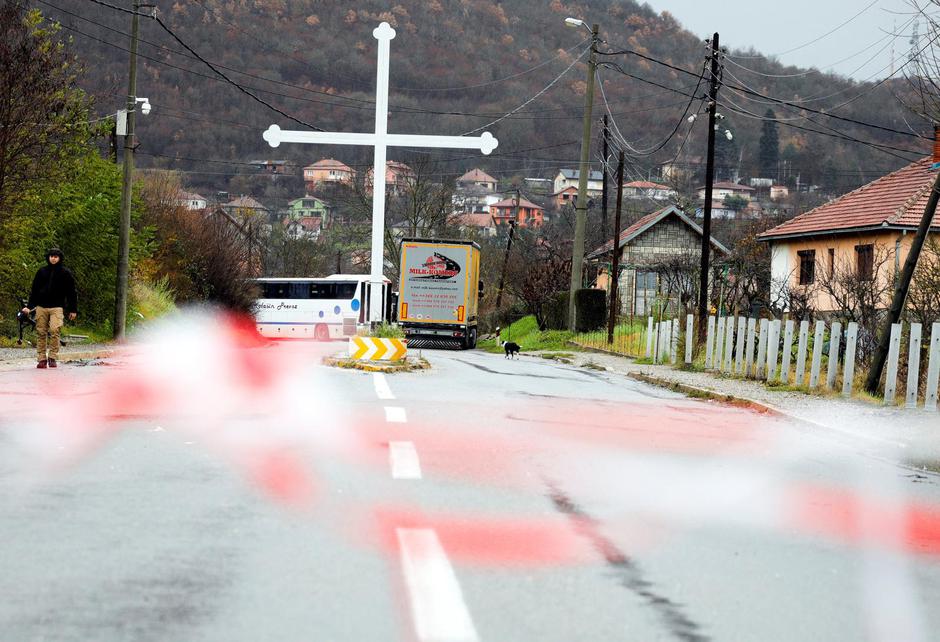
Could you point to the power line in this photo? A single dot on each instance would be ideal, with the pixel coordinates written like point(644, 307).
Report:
point(534, 97)
point(655, 148)
point(825, 35)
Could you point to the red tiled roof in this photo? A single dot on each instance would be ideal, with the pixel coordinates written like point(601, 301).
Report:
point(476, 219)
point(330, 163)
point(646, 185)
point(511, 202)
point(895, 200)
point(648, 221)
point(476, 176)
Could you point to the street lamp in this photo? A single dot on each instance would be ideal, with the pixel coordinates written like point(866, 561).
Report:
point(577, 249)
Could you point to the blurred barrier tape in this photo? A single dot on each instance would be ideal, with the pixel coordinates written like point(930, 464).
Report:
point(371, 349)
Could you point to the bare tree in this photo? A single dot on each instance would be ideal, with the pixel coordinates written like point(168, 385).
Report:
point(859, 295)
point(539, 267)
point(923, 300)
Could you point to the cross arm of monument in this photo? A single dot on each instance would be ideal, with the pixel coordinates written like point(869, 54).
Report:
point(486, 142)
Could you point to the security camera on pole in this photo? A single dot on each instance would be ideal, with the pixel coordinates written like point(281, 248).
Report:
point(125, 126)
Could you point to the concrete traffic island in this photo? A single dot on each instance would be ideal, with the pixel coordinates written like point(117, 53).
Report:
point(408, 364)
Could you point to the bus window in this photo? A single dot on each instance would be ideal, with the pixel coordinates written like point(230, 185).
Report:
point(322, 290)
point(346, 290)
point(299, 291)
point(275, 291)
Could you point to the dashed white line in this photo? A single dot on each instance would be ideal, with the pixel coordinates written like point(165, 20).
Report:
point(404, 461)
point(437, 606)
point(381, 386)
point(395, 415)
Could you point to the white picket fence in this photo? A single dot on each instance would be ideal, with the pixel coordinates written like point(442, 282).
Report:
point(763, 349)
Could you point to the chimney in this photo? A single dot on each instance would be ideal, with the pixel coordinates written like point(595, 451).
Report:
point(936, 144)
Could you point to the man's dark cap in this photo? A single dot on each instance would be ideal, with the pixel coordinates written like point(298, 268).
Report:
point(54, 251)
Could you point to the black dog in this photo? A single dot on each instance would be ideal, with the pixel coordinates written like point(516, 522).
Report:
point(512, 348)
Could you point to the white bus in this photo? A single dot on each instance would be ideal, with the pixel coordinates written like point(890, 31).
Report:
point(328, 308)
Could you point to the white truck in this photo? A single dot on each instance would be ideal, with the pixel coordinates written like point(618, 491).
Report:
point(439, 292)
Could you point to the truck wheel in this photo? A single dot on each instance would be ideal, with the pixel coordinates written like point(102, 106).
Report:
point(471, 339)
point(321, 333)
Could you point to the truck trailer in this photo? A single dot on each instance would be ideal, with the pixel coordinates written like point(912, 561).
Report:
point(439, 292)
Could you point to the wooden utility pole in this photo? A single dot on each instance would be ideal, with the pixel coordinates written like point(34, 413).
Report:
point(709, 184)
point(124, 228)
point(577, 249)
point(502, 273)
point(615, 254)
point(604, 196)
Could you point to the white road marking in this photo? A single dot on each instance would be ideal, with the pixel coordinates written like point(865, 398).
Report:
point(395, 415)
point(437, 605)
point(404, 460)
point(381, 386)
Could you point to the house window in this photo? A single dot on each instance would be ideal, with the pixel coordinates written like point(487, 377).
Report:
point(807, 266)
point(865, 261)
point(832, 261)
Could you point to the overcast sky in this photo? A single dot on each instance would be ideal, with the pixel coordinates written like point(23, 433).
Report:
point(789, 27)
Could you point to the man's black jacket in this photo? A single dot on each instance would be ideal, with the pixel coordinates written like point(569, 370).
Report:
point(54, 287)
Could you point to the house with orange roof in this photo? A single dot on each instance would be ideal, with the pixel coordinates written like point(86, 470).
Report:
point(327, 171)
point(867, 231)
point(652, 242)
point(477, 178)
point(530, 214)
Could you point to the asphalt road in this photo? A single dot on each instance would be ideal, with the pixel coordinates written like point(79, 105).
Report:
point(253, 494)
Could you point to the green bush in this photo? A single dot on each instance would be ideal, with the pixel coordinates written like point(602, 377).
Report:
point(387, 331)
point(555, 311)
point(590, 309)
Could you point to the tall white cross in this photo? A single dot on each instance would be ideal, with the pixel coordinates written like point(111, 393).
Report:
point(381, 140)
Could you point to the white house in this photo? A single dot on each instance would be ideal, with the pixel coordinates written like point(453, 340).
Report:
point(569, 178)
point(721, 190)
point(647, 189)
point(192, 201)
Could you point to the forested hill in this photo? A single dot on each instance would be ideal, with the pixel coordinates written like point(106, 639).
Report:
point(458, 65)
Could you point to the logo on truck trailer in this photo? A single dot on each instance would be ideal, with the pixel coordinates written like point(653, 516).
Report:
point(436, 267)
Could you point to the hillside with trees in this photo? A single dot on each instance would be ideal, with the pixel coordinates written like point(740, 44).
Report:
point(459, 65)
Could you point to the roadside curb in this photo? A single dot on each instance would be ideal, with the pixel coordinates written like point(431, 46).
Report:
point(408, 364)
point(712, 395)
point(65, 357)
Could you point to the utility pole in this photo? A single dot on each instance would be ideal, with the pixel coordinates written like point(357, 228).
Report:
point(577, 250)
point(124, 232)
point(604, 197)
point(615, 254)
point(709, 183)
point(502, 274)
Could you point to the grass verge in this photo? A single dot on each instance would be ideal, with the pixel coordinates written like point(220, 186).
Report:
point(526, 333)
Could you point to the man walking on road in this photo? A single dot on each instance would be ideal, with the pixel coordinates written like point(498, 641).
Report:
point(53, 296)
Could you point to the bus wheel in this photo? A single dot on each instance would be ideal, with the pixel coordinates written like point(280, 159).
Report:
point(321, 333)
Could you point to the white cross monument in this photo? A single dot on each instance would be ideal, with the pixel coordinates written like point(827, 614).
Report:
point(381, 140)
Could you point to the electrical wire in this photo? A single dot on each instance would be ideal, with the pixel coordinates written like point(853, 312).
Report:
point(531, 99)
point(815, 40)
point(654, 148)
